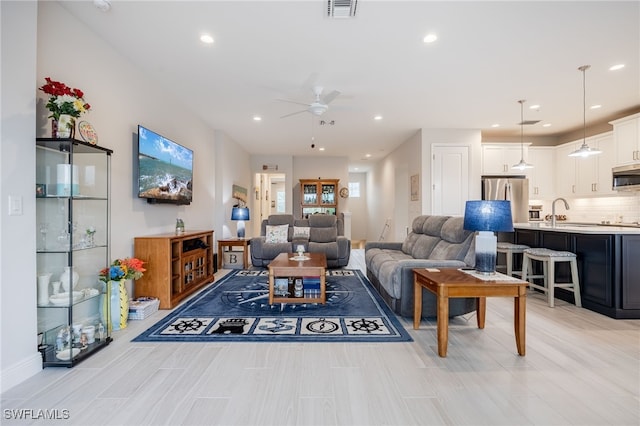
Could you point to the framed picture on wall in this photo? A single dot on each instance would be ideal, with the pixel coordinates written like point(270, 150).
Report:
point(415, 187)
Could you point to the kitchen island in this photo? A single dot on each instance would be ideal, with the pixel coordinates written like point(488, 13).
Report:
point(608, 262)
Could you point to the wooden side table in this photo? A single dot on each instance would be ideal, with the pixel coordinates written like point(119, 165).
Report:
point(234, 242)
point(451, 282)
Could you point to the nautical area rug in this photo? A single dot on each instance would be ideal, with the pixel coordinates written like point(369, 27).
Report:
point(236, 308)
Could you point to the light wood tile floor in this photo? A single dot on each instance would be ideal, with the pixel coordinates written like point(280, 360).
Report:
point(581, 368)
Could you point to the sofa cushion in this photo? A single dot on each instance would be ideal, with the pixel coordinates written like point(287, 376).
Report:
point(323, 235)
point(301, 231)
point(277, 233)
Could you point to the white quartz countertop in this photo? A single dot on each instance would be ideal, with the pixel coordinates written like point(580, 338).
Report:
point(580, 228)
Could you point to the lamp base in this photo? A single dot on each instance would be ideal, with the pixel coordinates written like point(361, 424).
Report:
point(486, 252)
point(241, 229)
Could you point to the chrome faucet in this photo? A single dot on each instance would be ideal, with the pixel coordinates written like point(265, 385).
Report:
point(553, 210)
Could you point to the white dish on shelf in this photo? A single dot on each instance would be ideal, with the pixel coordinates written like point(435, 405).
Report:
point(66, 354)
point(299, 258)
point(62, 299)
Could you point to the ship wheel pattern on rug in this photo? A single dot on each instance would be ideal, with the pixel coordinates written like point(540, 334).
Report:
point(237, 309)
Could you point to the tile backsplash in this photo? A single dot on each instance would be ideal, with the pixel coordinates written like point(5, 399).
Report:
point(621, 207)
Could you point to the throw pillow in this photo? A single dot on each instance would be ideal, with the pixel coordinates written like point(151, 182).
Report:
point(301, 232)
point(277, 234)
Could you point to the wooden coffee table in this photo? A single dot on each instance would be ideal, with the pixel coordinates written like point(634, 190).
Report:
point(450, 282)
point(283, 267)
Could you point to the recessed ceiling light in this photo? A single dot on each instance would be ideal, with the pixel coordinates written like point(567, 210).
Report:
point(616, 67)
point(430, 38)
point(257, 118)
point(536, 107)
point(368, 155)
point(595, 106)
point(377, 117)
point(321, 149)
point(546, 125)
point(495, 125)
point(206, 38)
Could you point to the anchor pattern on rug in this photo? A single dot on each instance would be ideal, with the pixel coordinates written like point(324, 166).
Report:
point(273, 326)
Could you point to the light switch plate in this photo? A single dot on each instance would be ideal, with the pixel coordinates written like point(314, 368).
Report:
point(15, 205)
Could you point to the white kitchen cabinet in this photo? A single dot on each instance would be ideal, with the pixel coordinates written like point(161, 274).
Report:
point(606, 161)
point(593, 174)
point(542, 176)
point(498, 158)
point(565, 170)
point(587, 176)
point(626, 134)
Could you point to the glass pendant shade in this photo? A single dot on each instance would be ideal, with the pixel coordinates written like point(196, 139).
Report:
point(522, 165)
point(584, 150)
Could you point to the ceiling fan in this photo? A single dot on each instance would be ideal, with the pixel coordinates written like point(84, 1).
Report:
point(319, 106)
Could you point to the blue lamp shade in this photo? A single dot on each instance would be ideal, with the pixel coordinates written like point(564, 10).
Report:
point(487, 217)
point(240, 214)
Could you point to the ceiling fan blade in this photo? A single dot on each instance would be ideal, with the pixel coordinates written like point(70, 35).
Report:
point(330, 97)
point(293, 102)
point(294, 113)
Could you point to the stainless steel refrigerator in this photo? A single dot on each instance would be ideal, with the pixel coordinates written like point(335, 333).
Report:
point(512, 188)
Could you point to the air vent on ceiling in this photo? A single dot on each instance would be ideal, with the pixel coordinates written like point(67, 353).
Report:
point(528, 122)
point(341, 8)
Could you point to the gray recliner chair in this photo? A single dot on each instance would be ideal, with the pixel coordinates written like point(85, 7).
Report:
point(326, 235)
point(322, 234)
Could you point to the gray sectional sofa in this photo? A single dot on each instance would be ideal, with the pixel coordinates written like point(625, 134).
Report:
point(324, 234)
point(434, 241)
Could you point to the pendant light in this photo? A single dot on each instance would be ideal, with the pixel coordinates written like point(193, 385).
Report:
point(584, 151)
point(522, 165)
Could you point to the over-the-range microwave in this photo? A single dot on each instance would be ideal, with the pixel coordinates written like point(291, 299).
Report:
point(626, 178)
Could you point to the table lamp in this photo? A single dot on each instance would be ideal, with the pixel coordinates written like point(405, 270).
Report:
point(240, 214)
point(487, 217)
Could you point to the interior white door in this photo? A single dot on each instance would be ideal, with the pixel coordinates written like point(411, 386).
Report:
point(450, 179)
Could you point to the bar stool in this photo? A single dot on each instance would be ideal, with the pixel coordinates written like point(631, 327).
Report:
point(509, 249)
point(549, 258)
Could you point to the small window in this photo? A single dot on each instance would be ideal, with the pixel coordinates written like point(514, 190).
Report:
point(354, 189)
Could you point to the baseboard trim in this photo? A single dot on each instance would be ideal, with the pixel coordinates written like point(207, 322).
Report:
point(20, 371)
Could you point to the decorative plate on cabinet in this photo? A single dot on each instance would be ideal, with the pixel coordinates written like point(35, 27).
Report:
point(87, 132)
point(344, 192)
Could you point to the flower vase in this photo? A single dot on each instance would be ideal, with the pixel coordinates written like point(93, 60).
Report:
point(66, 126)
point(119, 305)
point(69, 278)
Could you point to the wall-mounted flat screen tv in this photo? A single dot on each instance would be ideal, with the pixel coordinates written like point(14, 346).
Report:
point(165, 169)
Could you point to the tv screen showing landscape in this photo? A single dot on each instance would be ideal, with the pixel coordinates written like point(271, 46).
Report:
point(165, 169)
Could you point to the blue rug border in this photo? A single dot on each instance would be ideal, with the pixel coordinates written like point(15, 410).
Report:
point(389, 318)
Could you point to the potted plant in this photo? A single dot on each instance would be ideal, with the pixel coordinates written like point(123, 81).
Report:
point(65, 104)
point(119, 271)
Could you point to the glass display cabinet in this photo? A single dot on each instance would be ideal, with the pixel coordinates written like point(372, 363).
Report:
point(319, 196)
point(73, 238)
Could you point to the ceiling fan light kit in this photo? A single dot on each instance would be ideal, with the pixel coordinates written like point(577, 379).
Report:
point(319, 106)
point(584, 150)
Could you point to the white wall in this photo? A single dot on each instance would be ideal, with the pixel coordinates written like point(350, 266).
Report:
point(414, 156)
point(358, 208)
point(121, 97)
point(232, 168)
point(383, 199)
point(19, 358)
